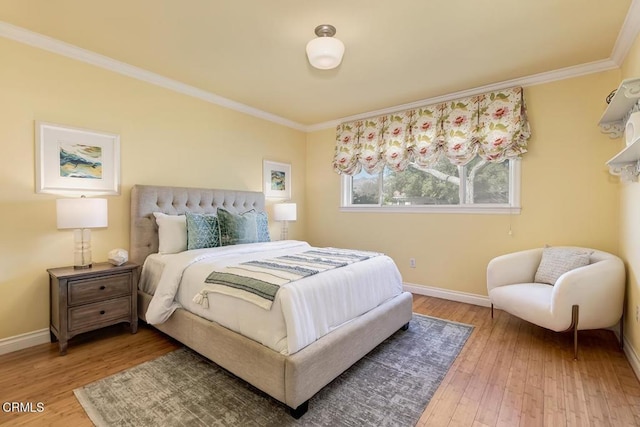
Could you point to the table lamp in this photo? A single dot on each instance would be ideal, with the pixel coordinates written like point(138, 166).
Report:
point(81, 214)
point(284, 212)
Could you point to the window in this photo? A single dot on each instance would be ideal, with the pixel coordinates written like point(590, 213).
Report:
point(417, 152)
point(477, 187)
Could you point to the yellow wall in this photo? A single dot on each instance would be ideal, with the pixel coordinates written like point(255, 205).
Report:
point(568, 198)
point(166, 138)
point(171, 139)
point(630, 223)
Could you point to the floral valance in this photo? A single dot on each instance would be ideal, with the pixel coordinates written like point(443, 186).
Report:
point(493, 126)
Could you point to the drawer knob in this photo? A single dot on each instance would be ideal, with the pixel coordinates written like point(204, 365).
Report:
point(103, 287)
point(102, 311)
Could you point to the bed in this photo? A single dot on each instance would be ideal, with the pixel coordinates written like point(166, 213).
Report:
point(291, 377)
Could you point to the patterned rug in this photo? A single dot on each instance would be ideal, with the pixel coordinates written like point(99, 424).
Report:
point(390, 386)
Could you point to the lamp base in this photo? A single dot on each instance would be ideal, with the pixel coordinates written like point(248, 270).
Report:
point(284, 231)
point(82, 249)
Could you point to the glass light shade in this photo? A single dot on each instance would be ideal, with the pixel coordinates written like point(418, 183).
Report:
point(82, 215)
point(284, 212)
point(325, 53)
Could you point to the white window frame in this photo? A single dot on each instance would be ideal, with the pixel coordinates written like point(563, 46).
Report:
point(513, 207)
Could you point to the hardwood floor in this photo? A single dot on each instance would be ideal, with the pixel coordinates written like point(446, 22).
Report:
point(510, 373)
point(40, 374)
point(513, 373)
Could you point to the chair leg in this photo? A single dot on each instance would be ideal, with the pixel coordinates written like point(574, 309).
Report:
point(622, 332)
point(492, 310)
point(575, 311)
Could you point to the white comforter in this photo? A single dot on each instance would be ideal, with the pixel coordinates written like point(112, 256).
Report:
point(303, 311)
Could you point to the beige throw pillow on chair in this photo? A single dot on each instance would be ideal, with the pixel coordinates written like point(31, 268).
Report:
point(557, 261)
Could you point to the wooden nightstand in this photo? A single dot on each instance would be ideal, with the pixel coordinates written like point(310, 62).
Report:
point(89, 299)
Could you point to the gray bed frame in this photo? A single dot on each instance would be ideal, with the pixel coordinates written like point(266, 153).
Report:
point(291, 379)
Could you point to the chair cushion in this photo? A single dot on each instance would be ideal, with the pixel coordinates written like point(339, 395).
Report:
point(531, 302)
point(556, 261)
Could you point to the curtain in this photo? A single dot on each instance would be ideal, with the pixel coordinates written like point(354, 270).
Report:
point(493, 126)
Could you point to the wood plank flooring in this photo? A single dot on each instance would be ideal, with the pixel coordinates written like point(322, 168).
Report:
point(513, 373)
point(510, 373)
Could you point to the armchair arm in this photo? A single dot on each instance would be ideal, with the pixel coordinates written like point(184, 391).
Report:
point(516, 267)
point(597, 288)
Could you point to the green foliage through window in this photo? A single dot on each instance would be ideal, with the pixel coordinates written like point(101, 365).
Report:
point(478, 182)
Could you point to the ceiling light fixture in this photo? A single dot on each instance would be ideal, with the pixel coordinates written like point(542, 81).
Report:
point(325, 52)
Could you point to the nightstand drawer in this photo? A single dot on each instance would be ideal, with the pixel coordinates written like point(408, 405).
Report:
point(100, 312)
point(99, 288)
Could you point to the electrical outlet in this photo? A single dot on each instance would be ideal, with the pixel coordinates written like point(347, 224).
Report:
point(637, 313)
point(412, 262)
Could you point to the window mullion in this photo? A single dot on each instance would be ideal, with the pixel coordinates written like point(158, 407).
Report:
point(514, 182)
point(462, 191)
point(380, 187)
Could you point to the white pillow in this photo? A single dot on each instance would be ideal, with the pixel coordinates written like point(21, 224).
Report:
point(557, 261)
point(172, 233)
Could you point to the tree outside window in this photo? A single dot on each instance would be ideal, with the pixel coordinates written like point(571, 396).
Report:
point(444, 184)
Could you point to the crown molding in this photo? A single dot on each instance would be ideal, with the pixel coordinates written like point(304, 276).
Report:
point(535, 79)
point(626, 37)
point(74, 52)
point(627, 34)
point(624, 41)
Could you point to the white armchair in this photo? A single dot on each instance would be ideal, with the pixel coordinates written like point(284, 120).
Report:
point(588, 297)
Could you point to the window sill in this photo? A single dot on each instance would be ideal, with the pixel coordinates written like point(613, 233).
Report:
point(436, 209)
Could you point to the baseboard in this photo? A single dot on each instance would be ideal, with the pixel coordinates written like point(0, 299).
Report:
point(458, 296)
point(632, 357)
point(18, 342)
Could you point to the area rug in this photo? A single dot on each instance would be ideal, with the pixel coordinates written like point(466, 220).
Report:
point(390, 386)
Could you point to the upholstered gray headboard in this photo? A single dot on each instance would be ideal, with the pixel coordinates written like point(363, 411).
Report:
point(147, 199)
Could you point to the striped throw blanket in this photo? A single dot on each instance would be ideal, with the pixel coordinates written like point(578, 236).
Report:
point(258, 281)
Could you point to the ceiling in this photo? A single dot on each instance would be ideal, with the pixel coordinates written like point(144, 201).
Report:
point(252, 52)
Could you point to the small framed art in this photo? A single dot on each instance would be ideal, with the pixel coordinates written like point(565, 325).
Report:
point(277, 180)
point(74, 160)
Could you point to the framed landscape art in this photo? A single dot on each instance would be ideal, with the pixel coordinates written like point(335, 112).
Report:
point(277, 180)
point(76, 161)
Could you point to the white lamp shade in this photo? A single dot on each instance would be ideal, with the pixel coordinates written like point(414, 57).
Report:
point(325, 53)
point(284, 212)
point(81, 213)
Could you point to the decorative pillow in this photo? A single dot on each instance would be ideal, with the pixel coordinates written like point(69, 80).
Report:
point(172, 233)
point(202, 231)
point(237, 228)
point(557, 261)
point(262, 221)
